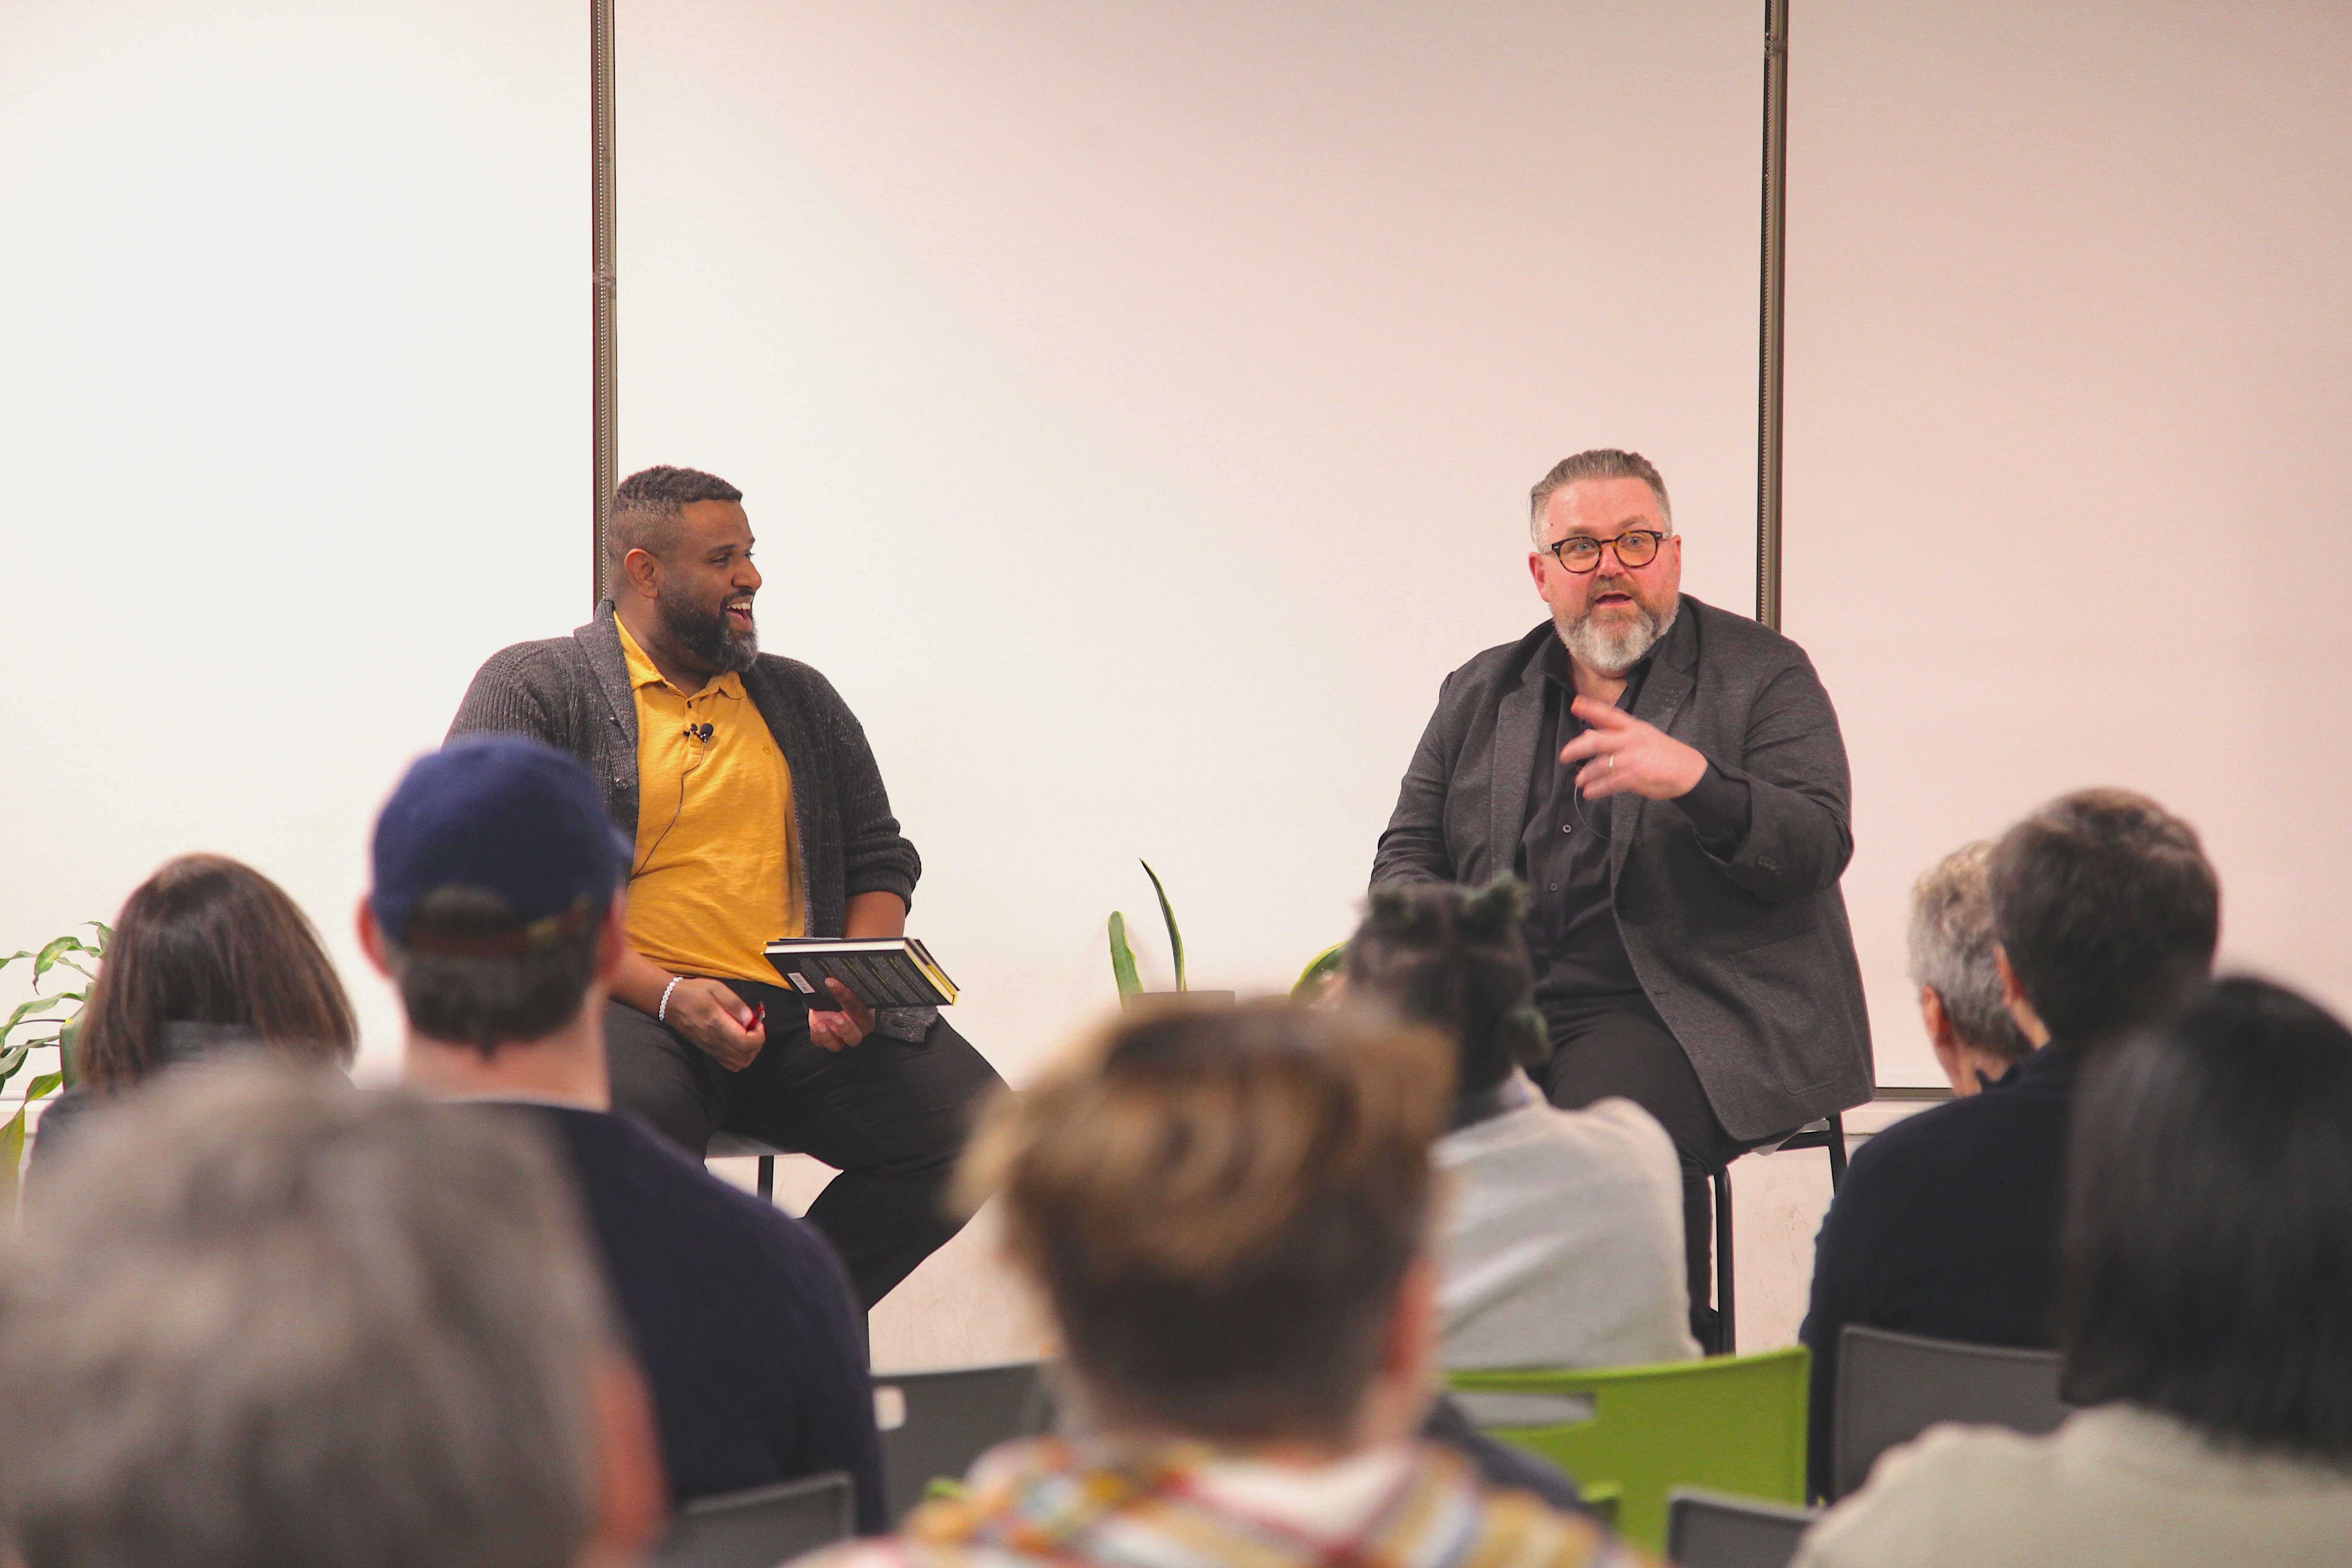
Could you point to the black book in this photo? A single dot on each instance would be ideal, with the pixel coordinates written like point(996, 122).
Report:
point(881, 972)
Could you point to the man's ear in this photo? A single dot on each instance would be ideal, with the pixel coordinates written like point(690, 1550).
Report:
point(612, 939)
point(642, 569)
point(371, 939)
point(2012, 994)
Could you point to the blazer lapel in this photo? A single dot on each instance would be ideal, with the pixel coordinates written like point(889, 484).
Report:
point(1518, 719)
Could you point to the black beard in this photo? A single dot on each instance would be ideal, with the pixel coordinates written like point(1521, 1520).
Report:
point(709, 638)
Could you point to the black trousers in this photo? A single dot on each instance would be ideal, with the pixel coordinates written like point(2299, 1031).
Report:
point(1618, 1046)
point(890, 1116)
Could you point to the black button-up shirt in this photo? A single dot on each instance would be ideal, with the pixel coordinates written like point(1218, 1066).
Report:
point(1563, 855)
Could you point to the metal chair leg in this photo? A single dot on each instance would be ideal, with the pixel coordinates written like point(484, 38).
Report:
point(1837, 1152)
point(768, 1177)
point(1726, 1296)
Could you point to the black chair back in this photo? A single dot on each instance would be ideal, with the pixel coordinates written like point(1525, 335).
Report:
point(1891, 1387)
point(1711, 1530)
point(935, 1424)
point(762, 1528)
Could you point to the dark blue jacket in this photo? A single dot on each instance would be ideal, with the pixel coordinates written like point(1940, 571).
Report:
point(741, 1317)
point(1947, 1224)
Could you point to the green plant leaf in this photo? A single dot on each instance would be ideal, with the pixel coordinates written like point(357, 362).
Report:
point(45, 1084)
point(56, 949)
point(12, 1160)
point(67, 1039)
point(1317, 976)
point(1168, 913)
point(105, 933)
point(35, 1006)
point(1122, 957)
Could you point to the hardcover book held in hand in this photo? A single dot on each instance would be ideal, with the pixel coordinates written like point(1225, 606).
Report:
point(881, 972)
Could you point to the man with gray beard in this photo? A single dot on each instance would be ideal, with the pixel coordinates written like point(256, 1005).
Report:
point(754, 810)
point(1669, 781)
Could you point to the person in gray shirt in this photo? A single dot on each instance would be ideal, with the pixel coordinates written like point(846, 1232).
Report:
point(1561, 1237)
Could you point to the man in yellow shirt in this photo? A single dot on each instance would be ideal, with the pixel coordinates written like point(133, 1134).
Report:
point(756, 811)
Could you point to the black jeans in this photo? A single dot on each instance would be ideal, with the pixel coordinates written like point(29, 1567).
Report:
point(890, 1116)
point(1619, 1045)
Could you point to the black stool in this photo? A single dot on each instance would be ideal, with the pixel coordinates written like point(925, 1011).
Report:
point(1827, 1133)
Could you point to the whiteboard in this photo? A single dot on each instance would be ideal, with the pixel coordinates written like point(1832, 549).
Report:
point(293, 415)
point(2069, 383)
point(1136, 405)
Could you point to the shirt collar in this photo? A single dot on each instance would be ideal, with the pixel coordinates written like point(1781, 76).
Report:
point(642, 674)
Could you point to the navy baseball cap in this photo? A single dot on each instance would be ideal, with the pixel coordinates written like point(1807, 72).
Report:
point(500, 814)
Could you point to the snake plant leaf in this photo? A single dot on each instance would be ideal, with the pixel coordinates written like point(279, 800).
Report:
point(1122, 957)
point(1317, 977)
point(1168, 913)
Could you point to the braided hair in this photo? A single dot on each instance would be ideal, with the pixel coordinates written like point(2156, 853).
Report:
point(1456, 958)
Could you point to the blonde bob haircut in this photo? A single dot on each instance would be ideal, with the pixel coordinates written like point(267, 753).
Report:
point(1221, 1207)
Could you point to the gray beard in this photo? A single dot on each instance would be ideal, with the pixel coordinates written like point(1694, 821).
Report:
point(712, 640)
point(1619, 649)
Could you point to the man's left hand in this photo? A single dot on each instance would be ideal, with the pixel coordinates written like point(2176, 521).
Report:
point(1622, 753)
point(839, 1030)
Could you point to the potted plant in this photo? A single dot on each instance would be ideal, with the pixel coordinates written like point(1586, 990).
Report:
point(24, 1034)
point(1131, 994)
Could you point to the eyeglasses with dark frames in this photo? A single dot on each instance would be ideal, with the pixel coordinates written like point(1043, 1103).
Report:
point(1580, 553)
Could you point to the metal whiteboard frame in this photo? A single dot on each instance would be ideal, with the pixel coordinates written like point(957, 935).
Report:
point(1771, 312)
point(604, 402)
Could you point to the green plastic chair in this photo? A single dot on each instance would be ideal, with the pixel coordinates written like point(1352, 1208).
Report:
point(1731, 1423)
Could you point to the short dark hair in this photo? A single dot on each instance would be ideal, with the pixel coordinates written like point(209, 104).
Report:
point(647, 506)
point(2107, 909)
point(208, 940)
point(1600, 463)
point(1447, 956)
point(1222, 1205)
point(489, 1000)
point(2206, 1267)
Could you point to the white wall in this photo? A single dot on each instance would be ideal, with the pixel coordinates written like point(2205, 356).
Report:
point(293, 421)
point(2070, 378)
point(1136, 406)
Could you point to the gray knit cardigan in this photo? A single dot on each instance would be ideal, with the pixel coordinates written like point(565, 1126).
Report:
point(573, 693)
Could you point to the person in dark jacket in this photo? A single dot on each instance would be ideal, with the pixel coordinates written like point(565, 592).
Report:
point(207, 956)
point(2106, 913)
point(756, 812)
point(1670, 782)
point(494, 909)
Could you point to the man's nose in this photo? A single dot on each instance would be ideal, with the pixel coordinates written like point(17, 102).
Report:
point(747, 578)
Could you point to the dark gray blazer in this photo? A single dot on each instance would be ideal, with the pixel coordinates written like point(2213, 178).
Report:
point(573, 693)
point(1750, 961)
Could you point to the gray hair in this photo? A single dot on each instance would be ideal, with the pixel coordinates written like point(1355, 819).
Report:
point(1600, 463)
point(1952, 944)
point(263, 1318)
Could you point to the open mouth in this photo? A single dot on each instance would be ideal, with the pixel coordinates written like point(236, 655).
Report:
point(1603, 601)
point(738, 614)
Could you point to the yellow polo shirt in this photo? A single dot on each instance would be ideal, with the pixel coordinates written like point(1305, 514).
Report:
point(715, 876)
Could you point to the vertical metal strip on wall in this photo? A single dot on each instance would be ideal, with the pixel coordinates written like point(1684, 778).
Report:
point(1776, 255)
point(604, 414)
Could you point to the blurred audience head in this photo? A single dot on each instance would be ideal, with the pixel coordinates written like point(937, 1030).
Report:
point(1455, 960)
point(1229, 1212)
point(1952, 964)
point(2106, 912)
point(268, 1319)
point(2207, 1267)
point(494, 903)
point(210, 943)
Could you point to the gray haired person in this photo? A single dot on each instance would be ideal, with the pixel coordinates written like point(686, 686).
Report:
point(1955, 965)
point(267, 1320)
